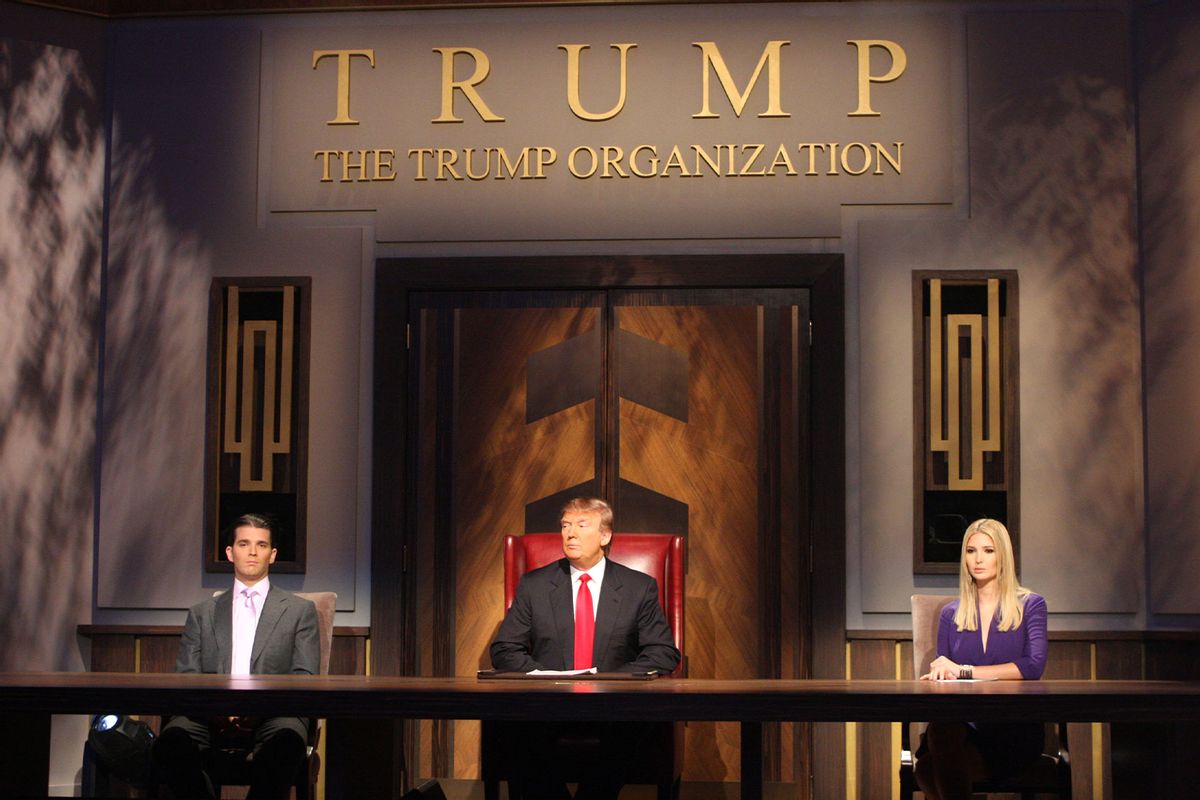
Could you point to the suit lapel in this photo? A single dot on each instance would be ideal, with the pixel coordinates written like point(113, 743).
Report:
point(562, 601)
point(223, 630)
point(273, 609)
point(607, 612)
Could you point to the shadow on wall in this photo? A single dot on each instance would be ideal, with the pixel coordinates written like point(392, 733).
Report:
point(51, 203)
point(1056, 174)
point(1169, 120)
point(152, 418)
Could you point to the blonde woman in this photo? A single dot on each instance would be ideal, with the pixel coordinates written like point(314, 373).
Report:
point(995, 630)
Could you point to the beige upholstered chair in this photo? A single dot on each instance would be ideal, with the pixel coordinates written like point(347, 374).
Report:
point(1052, 772)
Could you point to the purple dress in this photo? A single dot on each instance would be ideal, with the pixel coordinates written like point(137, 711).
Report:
point(1024, 645)
point(1006, 747)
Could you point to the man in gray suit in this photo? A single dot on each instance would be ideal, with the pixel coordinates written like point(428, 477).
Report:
point(255, 629)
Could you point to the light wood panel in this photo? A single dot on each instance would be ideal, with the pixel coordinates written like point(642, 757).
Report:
point(502, 464)
point(711, 464)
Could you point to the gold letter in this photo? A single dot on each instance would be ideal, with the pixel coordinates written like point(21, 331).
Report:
point(482, 67)
point(382, 164)
point(770, 56)
point(545, 157)
point(866, 158)
point(573, 101)
point(755, 152)
point(324, 156)
point(652, 165)
point(675, 161)
point(446, 160)
point(612, 161)
point(361, 166)
point(865, 78)
point(812, 148)
point(782, 159)
point(701, 155)
point(586, 173)
point(343, 80)
point(420, 153)
point(881, 154)
point(503, 163)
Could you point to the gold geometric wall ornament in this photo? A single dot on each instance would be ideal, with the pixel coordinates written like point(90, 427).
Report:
point(257, 432)
point(965, 396)
point(950, 436)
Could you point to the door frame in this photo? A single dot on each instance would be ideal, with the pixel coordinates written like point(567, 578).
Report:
point(392, 612)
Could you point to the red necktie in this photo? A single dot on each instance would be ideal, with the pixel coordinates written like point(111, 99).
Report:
point(585, 625)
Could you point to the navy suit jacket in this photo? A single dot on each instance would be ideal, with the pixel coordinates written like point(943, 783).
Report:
point(287, 640)
point(538, 632)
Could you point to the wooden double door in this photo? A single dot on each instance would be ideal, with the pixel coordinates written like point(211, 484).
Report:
point(688, 408)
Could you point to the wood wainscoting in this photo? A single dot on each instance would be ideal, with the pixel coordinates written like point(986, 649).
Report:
point(153, 648)
point(872, 749)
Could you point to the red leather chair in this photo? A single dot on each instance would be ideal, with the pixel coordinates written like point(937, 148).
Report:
point(659, 555)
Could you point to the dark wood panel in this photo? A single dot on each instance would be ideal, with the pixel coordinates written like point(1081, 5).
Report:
point(1073, 661)
point(1118, 660)
point(392, 595)
point(158, 653)
point(877, 746)
point(348, 655)
point(502, 464)
point(114, 653)
point(1172, 659)
point(154, 648)
point(827, 525)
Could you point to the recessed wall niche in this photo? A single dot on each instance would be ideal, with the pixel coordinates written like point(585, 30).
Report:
point(256, 455)
point(966, 454)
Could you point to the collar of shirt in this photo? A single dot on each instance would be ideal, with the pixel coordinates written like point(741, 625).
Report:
point(245, 625)
point(262, 587)
point(596, 573)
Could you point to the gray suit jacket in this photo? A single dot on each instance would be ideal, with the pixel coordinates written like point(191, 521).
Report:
point(287, 640)
point(538, 632)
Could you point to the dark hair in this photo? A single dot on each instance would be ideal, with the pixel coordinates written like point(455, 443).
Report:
point(259, 521)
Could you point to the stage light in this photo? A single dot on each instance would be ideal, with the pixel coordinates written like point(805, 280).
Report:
point(121, 745)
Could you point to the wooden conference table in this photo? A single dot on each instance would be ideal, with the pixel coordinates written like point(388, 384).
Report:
point(28, 699)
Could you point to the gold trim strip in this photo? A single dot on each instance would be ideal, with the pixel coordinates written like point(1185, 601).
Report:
point(231, 351)
point(937, 437)
point(287, 336)
point(991, 442)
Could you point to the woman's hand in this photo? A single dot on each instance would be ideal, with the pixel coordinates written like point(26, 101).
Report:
point(942, 669)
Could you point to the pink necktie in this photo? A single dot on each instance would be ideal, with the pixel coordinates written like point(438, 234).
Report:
point(250, 595)
point(585, 625)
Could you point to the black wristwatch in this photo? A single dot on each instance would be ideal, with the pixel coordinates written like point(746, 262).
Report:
point(965, 672)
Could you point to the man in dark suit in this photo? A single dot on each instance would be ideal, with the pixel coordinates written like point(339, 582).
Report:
point(580, 612)
point(255, 629)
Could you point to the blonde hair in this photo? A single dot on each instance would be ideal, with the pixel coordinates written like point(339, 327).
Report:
point(1011, 607)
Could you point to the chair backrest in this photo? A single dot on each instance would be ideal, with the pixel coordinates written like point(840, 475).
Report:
point(326, 603)
point(659, 555)
point(926, 609)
